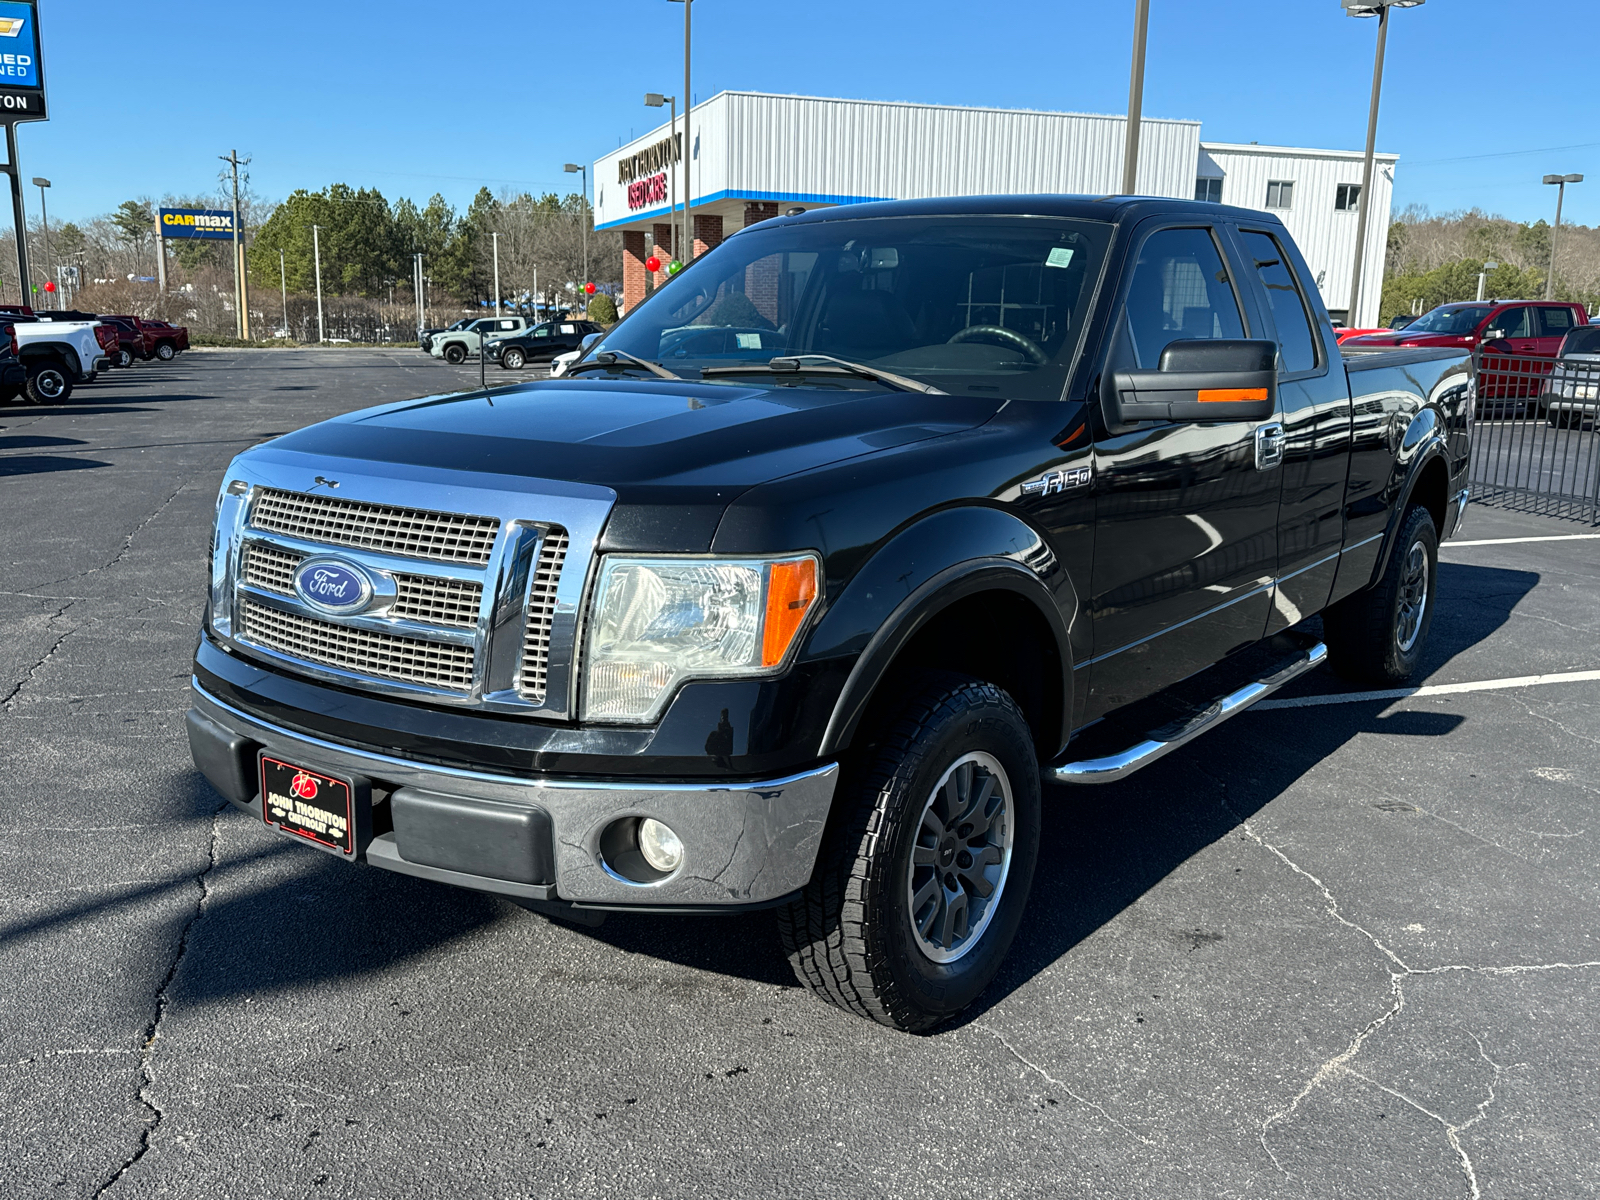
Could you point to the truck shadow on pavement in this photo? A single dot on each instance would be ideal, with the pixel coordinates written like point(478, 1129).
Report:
point(1101, 850)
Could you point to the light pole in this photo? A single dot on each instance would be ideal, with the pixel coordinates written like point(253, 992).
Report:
point(494, 238)
point(316, 258)
point(570, 168)
point(44, 216)
point(1488, 266)
point(1379, 9)
point(656, 100)
point(688, 143)
point(1560, 181)
point(1130, 153)
point(283, 282)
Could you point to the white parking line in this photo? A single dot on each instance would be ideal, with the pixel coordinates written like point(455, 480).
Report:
point(1438, 689)
point(1560, 537)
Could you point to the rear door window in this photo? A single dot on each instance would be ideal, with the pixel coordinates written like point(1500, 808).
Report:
point(1180, 289)
point(1297, 345)
point(1556, 322)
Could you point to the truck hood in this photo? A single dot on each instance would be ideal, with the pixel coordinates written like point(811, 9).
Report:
point(1401, 338)
point(687, 444)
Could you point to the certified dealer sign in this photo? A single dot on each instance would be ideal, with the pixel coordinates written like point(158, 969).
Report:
point(21, 73)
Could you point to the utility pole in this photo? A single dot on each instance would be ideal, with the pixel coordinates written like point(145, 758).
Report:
point(495, 239)
point(241, 288)
point(416, 280)
point(316, 258)
point(1560, 181)
point(1130, 152)
point(1484, 274)
point(283, 282)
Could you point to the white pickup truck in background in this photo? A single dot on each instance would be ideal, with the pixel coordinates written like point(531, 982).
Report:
point(59, 355)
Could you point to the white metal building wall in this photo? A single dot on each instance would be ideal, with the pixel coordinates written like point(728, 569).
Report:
point(806, 150)
point(1325, 235)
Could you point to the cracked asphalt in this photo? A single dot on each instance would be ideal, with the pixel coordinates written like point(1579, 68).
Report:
point(1330, 951)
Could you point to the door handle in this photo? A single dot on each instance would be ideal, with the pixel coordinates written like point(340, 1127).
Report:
point(1270, 440)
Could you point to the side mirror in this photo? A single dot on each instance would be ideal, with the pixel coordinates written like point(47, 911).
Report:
point(589, 339)
point(1493, 335)
point(1201, 380)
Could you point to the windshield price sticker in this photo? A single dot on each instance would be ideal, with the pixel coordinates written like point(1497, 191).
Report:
point(307, 803)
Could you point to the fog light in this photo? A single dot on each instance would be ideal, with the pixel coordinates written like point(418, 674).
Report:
point(660, 846)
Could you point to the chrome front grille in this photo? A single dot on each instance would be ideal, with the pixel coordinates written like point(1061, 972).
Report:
point(475, 612)
point(451, 602)
point(408, 532)
point(533, 673)
point(364, 651)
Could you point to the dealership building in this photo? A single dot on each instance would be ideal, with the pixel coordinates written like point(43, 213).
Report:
point(754, 156)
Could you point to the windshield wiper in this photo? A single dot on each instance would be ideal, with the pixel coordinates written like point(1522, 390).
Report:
point(796, 364)
point(607, 360)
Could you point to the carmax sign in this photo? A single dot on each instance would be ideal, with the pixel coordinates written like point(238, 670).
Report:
point(195, 223)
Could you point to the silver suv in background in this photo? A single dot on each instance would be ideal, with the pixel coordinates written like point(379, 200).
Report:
point(455, 344)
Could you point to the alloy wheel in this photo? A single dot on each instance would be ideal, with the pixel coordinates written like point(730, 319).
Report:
point(960, 857)
point(1413, 597)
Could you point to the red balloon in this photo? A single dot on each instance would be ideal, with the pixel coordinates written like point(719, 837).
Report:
point(49, 285)
point(589, 287)
point(651, 264)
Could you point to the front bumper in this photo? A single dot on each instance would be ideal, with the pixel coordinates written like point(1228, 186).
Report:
point(540, 838)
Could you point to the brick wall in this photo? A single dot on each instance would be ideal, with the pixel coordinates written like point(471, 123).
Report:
point(633, 272)
point(707, 233)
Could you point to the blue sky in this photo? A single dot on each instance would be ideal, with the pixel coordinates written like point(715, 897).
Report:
point(409, 98)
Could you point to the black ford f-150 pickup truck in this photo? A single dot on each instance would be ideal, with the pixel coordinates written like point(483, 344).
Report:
point(812, 571)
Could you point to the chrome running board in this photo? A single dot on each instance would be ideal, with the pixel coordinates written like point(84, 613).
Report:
point(1119, 766)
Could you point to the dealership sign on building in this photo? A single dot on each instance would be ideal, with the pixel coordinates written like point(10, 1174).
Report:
point(195, 223)
point(21, 77)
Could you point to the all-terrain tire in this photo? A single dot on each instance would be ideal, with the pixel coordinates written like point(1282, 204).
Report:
point(48, 383)
point(1378, 635)
point(853, 935)
point(455, 353)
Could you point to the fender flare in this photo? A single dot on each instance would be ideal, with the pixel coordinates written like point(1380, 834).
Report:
point(63, 352)
point(937, 557)
point(1433, 447)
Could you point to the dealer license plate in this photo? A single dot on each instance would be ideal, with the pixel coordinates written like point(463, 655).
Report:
point(308, 803)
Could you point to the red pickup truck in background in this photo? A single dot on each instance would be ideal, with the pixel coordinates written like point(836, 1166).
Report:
point(151, 336)
point(1504, 334)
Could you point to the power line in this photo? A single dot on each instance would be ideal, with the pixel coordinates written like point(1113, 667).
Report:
point(1428, 162)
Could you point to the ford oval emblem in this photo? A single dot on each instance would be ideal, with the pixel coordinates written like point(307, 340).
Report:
point(333, 585)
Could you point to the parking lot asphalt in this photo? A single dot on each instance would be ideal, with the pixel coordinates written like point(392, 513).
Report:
point(1338, 948)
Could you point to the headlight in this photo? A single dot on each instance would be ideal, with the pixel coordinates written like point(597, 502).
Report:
point(659, 621)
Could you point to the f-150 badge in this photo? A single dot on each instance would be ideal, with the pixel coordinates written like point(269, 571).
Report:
point(1059, 481)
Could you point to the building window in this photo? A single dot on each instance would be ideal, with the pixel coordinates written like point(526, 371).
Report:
point(1208, 190)
point(1280, 193)
point(1348, 197)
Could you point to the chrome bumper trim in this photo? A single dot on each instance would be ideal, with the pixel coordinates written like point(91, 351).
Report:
point(744, 842)
point(1119, 766)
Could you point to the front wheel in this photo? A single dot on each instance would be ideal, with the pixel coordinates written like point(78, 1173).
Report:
point(455, 354)
point(123, 358)
point(48, 384)
point(1377, 636)
point(922, 878)
point(512, 359)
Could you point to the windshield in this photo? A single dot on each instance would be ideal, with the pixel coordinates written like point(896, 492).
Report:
point(966, 304)
point(1582, 341)
point(1449, 320)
